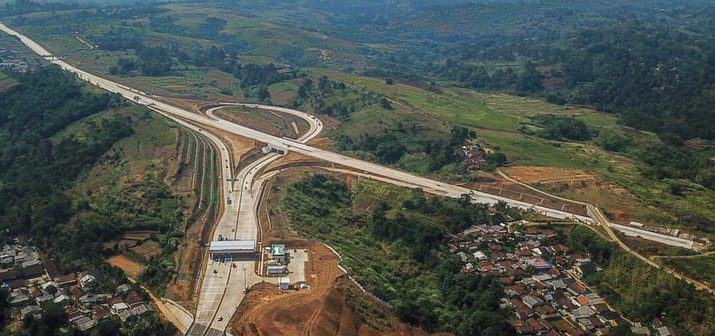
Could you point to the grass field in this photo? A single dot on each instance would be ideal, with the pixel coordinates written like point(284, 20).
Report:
point(283, 93)
point(281, 125)
point(496, 119)
point(367, 194)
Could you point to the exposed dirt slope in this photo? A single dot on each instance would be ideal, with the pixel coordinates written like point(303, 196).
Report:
point(333, 305)
point(579, 185)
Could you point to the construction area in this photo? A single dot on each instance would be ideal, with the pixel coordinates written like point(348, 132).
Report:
point(314, 301)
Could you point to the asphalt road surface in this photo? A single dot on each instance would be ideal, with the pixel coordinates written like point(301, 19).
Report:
point(292, 145)
point(220, 285)
point(223, 283)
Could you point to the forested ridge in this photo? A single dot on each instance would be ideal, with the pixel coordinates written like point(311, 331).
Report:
point(33, 169)
point(36, 168)
point(47, 143)
point(652, 62)
point(414, 272)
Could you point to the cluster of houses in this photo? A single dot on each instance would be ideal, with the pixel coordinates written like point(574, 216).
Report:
point(543, 283)
point(474, 156)
point(32, 284)
point(13, 61)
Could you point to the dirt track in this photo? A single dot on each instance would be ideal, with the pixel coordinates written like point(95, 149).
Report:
point(579, 185)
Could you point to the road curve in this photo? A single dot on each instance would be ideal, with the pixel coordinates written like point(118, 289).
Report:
point(433, 186)
point(316, 125)
point(222, 284)
point(430, 185)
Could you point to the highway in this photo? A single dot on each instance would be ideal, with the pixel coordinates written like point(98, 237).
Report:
point(223, 283)
point(239, 219)
point(654, 236)
point(596, 214)
point(298, 146)
point(429, 185)
point(316, 126)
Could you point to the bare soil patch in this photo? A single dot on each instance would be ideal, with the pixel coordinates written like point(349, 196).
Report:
point(147, 250)
point(324, 308)
point(130, 267)
point(322, 143)
point(579, 185)
point(293, 160)
point(192, 105)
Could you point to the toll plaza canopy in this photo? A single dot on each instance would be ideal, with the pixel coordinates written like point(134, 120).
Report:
point(232, 250)
point(232, 246)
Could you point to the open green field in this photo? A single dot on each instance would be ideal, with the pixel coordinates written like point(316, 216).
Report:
point(283, 93)
point(496, 118)
point(497, 112)
point(277, 124)
point(367, 194)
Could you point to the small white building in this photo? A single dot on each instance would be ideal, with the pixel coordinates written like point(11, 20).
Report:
point(119, 307)
point(62, 299)
point(85, 280)
point(479, 255)
point(276, 270)
point(284, 283)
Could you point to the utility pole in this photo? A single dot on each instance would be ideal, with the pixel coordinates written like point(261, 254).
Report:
point(245, 283)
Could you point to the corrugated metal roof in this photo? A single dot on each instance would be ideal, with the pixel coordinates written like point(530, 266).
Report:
point(232, 245)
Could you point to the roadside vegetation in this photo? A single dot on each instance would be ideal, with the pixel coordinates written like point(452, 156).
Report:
point(701, 268)
point(413, 272)
point(642, 292)
point(535, 85)
point(44, 152)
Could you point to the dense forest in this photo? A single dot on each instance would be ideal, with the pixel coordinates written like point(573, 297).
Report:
point(36, 168)
point(418, 276)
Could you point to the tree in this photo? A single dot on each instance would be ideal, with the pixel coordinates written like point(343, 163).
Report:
point(530, 80)
point(107, 327)
point(4, 307)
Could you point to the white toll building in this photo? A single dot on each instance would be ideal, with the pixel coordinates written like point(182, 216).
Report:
point(229, 250)
point(276, 270)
